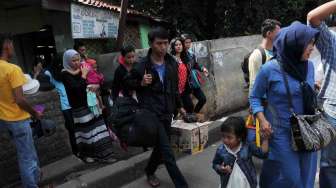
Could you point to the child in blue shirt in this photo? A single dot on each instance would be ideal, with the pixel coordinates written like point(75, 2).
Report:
point(236, 149)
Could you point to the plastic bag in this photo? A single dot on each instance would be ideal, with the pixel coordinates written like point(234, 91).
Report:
point(237, 178)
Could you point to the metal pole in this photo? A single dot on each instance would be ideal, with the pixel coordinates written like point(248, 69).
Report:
point(122, 24)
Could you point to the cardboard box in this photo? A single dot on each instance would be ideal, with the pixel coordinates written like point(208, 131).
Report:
point(190, 138)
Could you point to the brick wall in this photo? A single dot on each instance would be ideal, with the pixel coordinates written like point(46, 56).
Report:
point(132, 36)
point(50, 149)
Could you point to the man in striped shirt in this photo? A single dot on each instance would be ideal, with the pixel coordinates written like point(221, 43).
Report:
point(326, 44)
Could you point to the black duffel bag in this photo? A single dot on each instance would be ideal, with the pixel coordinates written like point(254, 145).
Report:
point(144, 130)
point(133, 126)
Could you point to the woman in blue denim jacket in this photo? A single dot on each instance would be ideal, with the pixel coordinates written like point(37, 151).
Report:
point(286, 167)
point(236, 149)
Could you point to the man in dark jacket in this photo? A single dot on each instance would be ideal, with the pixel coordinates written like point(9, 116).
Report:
point(155, 79)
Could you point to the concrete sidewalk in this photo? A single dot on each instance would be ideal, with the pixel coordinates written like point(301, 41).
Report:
point(130, 173)
point(72, 173)
point(123, 172)
point(196, 169)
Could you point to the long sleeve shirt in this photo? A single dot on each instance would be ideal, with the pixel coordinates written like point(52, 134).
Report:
point(244, 160)
point(270, 83)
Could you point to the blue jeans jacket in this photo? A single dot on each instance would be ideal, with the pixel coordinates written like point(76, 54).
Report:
point(244, 160)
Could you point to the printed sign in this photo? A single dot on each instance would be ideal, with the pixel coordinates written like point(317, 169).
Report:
point(90, 22)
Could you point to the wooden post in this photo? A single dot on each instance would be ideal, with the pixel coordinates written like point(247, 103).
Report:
point(122, 24)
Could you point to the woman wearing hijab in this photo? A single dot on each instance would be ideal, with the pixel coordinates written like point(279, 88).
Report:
point(92, 137)
point(286, 167)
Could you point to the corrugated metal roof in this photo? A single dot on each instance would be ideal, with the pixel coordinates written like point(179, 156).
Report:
point(110, 6)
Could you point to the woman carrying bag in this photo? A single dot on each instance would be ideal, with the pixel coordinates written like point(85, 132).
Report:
point(286, 167)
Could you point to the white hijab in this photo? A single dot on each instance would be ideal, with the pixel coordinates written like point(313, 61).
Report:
point(67, 59)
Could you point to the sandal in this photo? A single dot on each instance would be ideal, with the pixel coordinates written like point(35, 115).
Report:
point(153, 181)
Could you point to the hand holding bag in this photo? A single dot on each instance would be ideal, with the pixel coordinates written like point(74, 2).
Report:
point(309, 132)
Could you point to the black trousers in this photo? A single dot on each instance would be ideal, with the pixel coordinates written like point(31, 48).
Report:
point(70, 126)
point(162, 152)
point(188, 103)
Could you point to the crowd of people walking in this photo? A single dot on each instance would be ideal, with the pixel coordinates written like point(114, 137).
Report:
point(279, 75)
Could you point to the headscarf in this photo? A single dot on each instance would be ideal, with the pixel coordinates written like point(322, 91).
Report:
point(67, 59)
point(289, 46)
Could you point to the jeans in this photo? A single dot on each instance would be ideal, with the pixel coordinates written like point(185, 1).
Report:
point(328, 161)
point(163, 153)
point(70, 126)
point(21, 134)
point(188, 103)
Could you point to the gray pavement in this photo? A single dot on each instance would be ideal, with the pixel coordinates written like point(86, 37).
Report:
point(196, 169)
point(128, 173)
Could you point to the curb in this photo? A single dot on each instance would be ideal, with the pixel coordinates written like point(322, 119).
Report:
point(114, 175)
point(59, 168)
point(123, 172)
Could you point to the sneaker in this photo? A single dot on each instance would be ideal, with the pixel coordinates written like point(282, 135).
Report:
point(88, 160)
point(190, 118)
point(153, 181)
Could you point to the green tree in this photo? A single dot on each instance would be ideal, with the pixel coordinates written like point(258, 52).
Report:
point(210, 19)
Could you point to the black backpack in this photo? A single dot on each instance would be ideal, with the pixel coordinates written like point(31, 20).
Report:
point(245, 64)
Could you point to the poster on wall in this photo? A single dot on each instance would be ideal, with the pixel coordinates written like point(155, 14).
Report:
point(90, 22)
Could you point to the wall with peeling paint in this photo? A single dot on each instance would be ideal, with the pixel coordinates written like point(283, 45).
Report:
point(224, 88)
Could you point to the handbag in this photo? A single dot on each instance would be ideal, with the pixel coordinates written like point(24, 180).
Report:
point(133, 126)
point(143, 132)
point(196, 79)
point(309, 132)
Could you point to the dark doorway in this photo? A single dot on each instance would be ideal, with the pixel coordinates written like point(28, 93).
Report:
point(35, 47)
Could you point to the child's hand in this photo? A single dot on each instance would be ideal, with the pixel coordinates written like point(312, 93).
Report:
point(226, 168)
point(265, 135)
point(85, 69)
point(265, 128)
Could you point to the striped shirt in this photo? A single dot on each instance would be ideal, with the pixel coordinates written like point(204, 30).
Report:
point(326, 44)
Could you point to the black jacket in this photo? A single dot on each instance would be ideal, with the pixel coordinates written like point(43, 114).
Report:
point(118, 81)
point(162, 99)
point(75, 87)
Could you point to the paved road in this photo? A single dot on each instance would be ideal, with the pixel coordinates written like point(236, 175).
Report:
point(197, 170)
